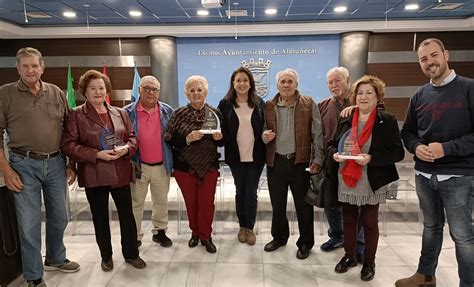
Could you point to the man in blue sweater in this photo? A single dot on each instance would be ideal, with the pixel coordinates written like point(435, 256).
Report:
point(439, 130)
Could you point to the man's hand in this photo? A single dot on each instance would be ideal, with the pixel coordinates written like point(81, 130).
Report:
point(71, 174)
point(268, 136)
point(436, 150)
point(12, 180)
point(347, 111)
point(424, 153)
point(314, 168)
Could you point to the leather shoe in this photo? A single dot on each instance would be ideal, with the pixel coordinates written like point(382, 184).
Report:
point(345, 263)
point(107, 265)
point(193, 242)
point(368, 271)
point(303, 252)
point(273, 245)
point(210, 247)
point(137, 263)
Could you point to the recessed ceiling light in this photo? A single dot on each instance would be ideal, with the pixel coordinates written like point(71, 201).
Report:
point(203, 12)
point(340, 9)
point(271, 11)
point(69, 14)
point(412, 7)
point(134, 13)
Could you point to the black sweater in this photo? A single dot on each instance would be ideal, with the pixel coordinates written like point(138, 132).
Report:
point(443, 114)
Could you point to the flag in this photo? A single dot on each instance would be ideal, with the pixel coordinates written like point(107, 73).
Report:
point(104, 71)
point(136, 84)
point(71, 100)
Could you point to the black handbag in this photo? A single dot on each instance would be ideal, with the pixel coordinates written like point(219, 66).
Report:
point(322, 191)
point(10, 255)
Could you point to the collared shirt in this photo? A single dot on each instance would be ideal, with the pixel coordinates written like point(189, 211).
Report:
point(285, 144)
point(33, 123)
point(330, 110)
point(440, 177)
point(149, 135)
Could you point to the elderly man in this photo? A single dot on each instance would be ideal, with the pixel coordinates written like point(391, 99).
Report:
point(32, 112)
point(293, 129)
point(153, 159)
point(439, 130)
point(339, 83)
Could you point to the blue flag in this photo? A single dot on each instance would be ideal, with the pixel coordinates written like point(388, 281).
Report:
point(136, 84)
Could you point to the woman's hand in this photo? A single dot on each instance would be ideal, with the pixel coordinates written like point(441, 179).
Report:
point(217, 136)
point(365, 160)
point(337, 158)
point(268, 136)
point(107, 155)
point(194, 136)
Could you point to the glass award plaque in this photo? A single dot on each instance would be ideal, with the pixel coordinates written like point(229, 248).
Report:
point(211, 124)
point(108, 141)
point(348, 148)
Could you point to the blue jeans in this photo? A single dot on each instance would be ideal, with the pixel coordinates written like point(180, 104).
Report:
point(246, 179)
point(50, 176)
point(456, 196)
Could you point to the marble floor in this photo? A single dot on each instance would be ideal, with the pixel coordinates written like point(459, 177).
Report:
point(237, 264)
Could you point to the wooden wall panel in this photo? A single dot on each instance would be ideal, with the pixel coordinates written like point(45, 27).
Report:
point(397, 106)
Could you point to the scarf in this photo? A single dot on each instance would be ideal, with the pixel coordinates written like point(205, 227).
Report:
point(200, 155)
point(352, 172)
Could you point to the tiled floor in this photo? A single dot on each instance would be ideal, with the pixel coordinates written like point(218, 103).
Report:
point(237, 264)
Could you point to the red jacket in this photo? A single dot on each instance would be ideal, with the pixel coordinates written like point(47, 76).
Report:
point(81, 142)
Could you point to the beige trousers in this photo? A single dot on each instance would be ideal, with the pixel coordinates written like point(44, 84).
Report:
point(156, 178)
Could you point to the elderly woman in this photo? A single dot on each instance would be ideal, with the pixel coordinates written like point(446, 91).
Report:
point(100, 139)
point(294, 129)
point(195, 160)
point(243, 113)
point(363, 183)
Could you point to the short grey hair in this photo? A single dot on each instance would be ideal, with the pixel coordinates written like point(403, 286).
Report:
point(196, 79)
point(29, 52)
point(148, 78)
point(293, 73)
point(341, 69)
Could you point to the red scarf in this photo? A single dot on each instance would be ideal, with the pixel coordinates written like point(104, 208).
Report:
point(352, 172)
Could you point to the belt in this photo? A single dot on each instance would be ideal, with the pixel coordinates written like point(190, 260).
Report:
point(153, 164)
point(35, 154)
point(287, 156)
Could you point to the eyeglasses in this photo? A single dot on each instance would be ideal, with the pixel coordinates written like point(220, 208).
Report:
point(151, 90)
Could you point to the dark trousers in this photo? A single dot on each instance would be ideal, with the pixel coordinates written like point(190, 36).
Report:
point(98, 198)
point(246, 178)
point(199, 199)
point(286, 173)
point(366, 216)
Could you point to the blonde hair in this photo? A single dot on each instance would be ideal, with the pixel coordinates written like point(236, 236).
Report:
point(196, 79)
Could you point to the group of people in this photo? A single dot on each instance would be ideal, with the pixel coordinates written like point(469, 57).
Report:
point(125, 152)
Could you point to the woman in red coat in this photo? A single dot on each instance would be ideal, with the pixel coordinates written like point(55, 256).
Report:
point(100, 139)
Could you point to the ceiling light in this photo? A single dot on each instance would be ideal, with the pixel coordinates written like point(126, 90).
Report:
point(340, 9)
point(412, 7)
point(271, 11)
point(203, 12)
point(69, 14)
point(135, 13)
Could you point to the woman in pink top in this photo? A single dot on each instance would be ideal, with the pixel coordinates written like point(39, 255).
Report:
point(243, 113)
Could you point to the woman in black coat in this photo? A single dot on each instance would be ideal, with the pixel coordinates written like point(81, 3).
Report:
point(242, 128)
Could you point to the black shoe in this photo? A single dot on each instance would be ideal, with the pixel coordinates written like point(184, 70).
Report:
point(368, 271)
point(139, 243)
point(107, 265)
point(193, 242)
point(273, 245)
point(162, 239)
point(303, 252)
point(137, 263)
point(210, 247)
point(345, 263)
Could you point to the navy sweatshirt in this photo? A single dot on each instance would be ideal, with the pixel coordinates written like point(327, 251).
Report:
point(443, 114)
